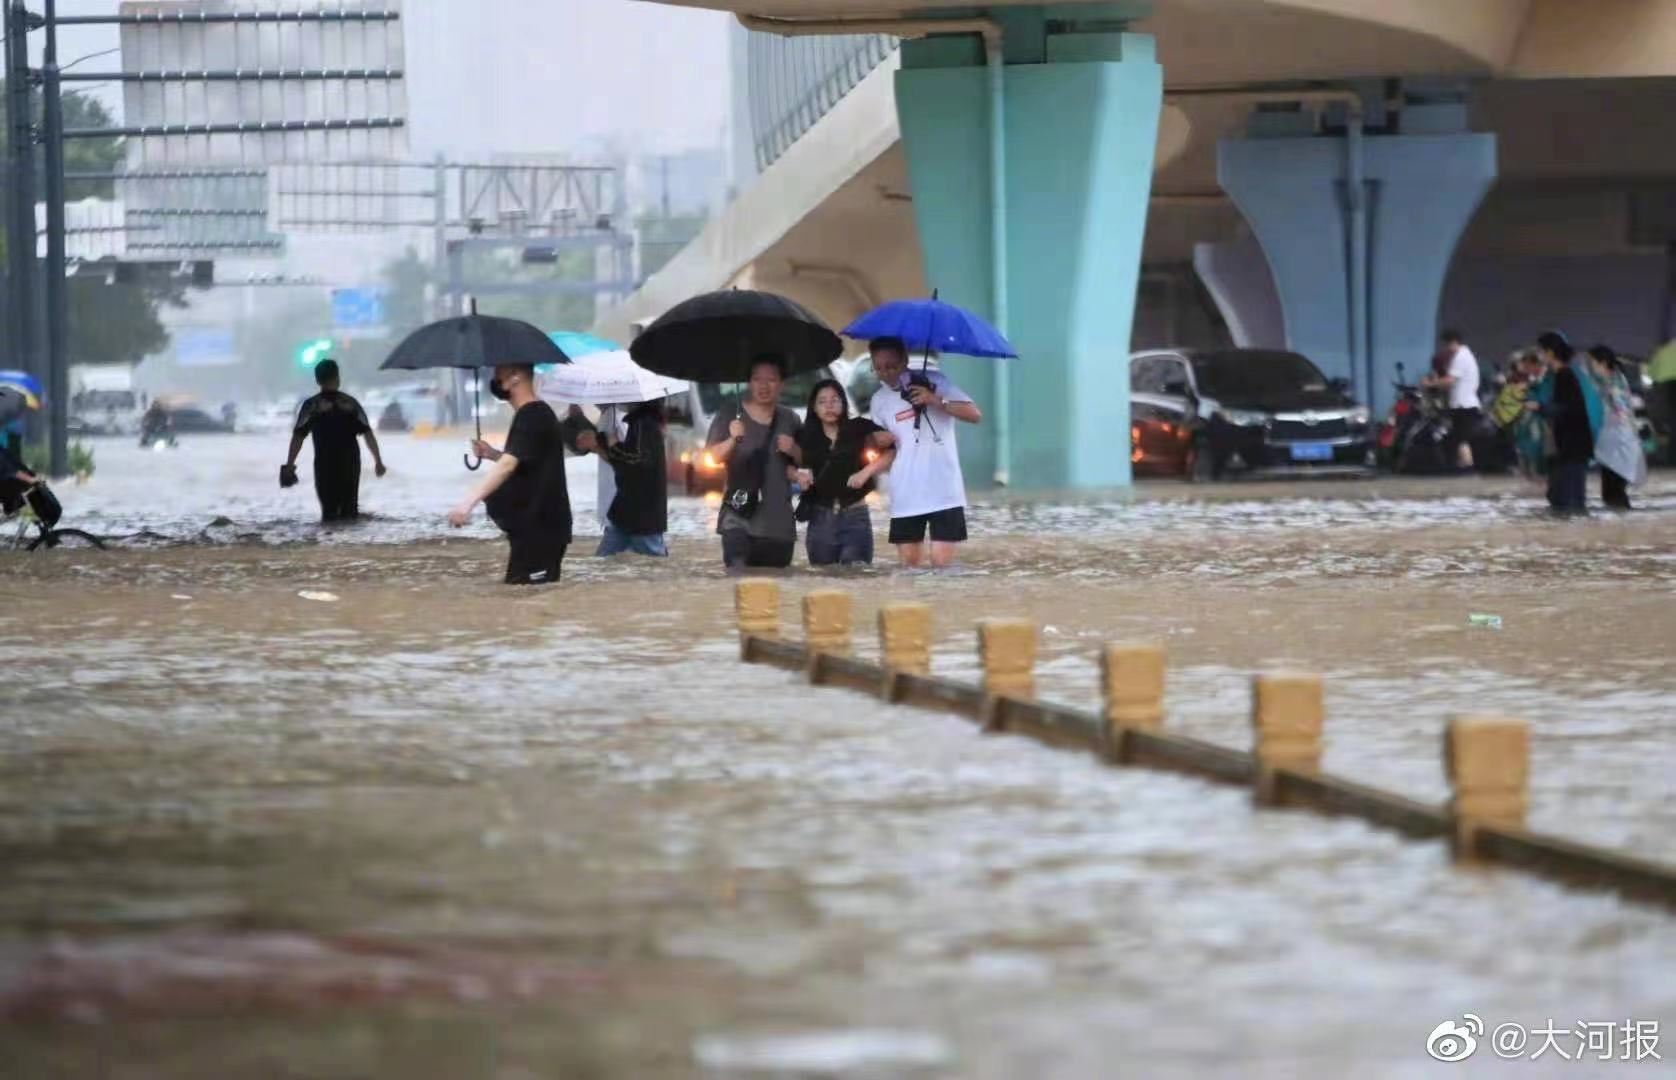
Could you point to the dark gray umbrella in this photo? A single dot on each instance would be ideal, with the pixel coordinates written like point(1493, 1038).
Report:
point(474, 341)
point(714, 337)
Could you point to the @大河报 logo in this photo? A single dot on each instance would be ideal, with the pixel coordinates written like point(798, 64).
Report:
point(1450, 1041)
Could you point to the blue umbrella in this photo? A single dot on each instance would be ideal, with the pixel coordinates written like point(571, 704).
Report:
point(577, 345)
point(27, 384)
point(932, 326)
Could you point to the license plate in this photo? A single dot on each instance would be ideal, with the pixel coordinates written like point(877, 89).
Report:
point(1312, 451)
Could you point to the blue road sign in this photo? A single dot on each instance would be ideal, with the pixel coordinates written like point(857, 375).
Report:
point(355, 309)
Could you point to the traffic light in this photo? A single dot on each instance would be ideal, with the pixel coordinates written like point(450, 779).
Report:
point(310, 353)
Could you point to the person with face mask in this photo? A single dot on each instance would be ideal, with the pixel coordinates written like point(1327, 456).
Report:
point(524, 490)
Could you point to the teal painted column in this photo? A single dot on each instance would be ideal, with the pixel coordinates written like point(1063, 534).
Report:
point(1081, 114)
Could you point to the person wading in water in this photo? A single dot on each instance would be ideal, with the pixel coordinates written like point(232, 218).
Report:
point(334, 420)
point(525, 492)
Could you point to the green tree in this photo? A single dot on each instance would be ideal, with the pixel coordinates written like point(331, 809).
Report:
point(112, 322)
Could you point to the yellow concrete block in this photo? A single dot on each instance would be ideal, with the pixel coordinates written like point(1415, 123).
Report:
point(1288, 711)
point(756, 602)
point(1133, 676)
point(1487, 759)
point(1007, 648)
point(827, 621)
point(905, 637)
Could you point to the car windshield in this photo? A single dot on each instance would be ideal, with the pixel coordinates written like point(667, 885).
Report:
point(1254, 373)
point(793, 395)
point(108, 399)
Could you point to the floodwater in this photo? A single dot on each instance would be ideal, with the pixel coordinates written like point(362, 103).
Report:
point(435, 827)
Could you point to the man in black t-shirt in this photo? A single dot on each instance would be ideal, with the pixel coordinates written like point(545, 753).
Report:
point(525, 491)
point(334, 420)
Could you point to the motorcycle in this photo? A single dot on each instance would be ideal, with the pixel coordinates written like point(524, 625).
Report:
point(1413, 434)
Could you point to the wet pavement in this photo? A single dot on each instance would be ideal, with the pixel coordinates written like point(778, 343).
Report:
point(439, 828)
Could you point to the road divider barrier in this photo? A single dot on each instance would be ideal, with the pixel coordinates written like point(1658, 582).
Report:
point(1486, 758)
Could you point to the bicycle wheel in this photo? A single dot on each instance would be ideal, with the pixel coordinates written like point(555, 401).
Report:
point(66, 538)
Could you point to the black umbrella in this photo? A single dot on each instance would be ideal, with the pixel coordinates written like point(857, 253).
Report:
point(715, 336)
point(474, 341)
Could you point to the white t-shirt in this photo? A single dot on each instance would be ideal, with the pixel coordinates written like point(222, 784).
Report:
point(925, 477)
point(609, 420)
point(1463, 368)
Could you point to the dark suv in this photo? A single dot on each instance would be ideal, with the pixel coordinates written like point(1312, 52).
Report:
point(1205, 414)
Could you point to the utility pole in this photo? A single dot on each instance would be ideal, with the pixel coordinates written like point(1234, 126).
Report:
point(20, 249)
point(58, 301)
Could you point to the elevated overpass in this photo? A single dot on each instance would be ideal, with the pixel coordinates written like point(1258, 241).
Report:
point(1316, 162)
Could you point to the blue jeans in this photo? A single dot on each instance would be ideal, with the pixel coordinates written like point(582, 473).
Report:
point(840, 536)
point(616, 541)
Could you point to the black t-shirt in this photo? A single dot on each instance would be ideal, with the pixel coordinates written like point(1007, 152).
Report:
point(335, 420)
point(534, 498)
point(11, 488)
point(834, 463)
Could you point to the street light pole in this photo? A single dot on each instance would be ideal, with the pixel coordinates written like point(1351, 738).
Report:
point(58, 313)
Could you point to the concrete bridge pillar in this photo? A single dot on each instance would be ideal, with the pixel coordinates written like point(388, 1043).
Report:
point(1360, 286)
point(1080, 100)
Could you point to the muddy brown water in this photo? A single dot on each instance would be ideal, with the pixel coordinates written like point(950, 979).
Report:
point(440, 828)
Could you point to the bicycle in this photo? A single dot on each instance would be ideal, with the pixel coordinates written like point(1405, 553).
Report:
point(38, 507)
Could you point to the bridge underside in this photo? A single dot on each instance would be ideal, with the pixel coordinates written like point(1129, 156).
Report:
point(1244, 210)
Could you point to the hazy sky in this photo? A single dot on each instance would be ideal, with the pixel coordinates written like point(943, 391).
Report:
point(533, 75)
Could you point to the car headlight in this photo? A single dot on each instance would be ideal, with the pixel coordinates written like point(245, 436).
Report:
point(1358, 417)
point(1243, 417)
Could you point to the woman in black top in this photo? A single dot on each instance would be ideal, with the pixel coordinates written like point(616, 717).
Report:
point(1565, 405)
point(638, 516)
point(838, 471)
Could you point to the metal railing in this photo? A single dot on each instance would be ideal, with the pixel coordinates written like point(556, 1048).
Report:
point(794, 81)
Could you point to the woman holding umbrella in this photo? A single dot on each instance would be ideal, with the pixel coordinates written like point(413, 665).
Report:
point(758, 445)
point(724, 337)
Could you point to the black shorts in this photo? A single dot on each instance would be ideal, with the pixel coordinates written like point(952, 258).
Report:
point(946, 527)
point(534, 559)
point(1464, 424)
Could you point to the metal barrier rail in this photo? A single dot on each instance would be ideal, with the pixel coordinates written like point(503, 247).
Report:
point(1487, 759)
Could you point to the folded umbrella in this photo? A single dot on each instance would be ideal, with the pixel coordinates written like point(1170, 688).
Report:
point(714, 337)
point(474, 341)
point(611, 378)
point(930, 325)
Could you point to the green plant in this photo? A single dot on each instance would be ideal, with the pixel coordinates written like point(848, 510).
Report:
point(81, 458)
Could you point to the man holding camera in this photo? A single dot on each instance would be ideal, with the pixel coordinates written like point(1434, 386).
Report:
point(917, 410)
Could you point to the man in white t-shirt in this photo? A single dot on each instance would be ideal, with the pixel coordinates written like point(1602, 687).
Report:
point(1461, 383)
point(918, 410)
